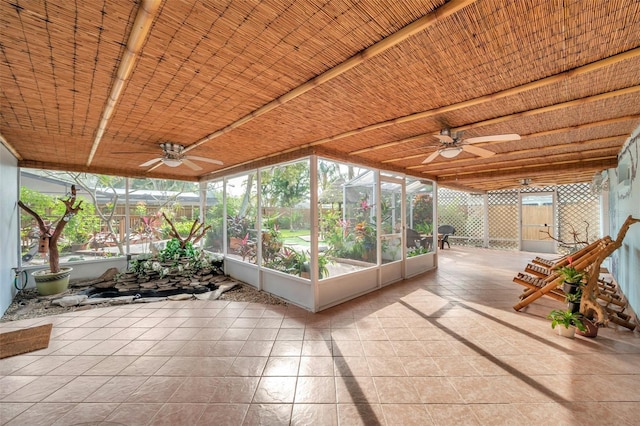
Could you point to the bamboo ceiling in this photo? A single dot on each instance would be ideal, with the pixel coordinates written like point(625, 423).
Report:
point(97, 86)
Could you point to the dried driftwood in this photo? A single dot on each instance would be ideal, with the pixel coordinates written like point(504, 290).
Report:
point(50, 237)
point(590, 292)
point(195, 234)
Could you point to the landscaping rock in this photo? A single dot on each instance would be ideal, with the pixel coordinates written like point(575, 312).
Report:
point(67, 301)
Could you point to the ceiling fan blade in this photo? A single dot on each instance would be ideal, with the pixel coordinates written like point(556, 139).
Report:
point(480, 152)
point(206, 160)
point(431, 157)
point(444, 138)
point(494, 138)
point(191, 164)
point(150, 162)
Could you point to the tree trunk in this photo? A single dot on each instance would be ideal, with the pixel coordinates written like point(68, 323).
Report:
point(70, 210)
point(589, 299)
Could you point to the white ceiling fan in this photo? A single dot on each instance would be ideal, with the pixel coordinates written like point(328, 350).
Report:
point(174, 155)
point(452, 144)
point(525, 183)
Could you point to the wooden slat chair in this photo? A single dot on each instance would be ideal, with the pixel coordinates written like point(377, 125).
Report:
point(535, 269)
point(538, 287)
point(564, 260)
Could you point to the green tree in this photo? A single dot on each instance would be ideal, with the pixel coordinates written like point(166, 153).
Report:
point(287, 186)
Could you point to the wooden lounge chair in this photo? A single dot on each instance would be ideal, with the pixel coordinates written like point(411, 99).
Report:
point(589, 259)
point(539, 285)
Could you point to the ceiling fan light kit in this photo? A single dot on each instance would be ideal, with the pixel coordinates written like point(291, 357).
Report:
point(174, 155)
point(450, 152)
point(171, 162)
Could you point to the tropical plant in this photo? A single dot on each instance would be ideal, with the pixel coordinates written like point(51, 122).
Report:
point(424, 228)
point(296, 262)
point(271, 244)
point(566, 319)
point(573, 297)
point(569, 273)
point(237, 226)
point(416, 251)
point(173, 251)
point(324, 259)
point(247, 248)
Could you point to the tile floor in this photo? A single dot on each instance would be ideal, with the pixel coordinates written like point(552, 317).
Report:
point(443, 348)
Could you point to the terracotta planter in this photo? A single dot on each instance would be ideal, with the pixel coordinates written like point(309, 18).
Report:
point(48, 283)
point(592, 329)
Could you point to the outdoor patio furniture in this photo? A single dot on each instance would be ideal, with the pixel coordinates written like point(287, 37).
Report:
point(414, 239)
point(443, 234)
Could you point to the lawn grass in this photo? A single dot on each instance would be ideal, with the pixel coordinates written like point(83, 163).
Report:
point(290, 237)
point(288, 233)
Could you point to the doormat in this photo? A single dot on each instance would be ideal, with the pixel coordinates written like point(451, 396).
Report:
point(22, 341)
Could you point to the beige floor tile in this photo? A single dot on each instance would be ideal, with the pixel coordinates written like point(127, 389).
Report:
point(282, 366)
point(42, 414)
point(308, 414)
point(317, 348)
point(356, 390)
point(10, 384)
point(77, 389)
point(233, 389)
point(39, 389)
point(116, 389)
point(134, 414)
point(178, 413)
point(248, 366)
point(407, 414)
point(268, 414)
point(316, 366)
point(398, 390)
point(275, 390)
point(223, 415)
point(360, 415)
point(9, 410)
point(92, 413)
point(256, 348)
point(286, 348)
point(315, 390)
point(107, 365)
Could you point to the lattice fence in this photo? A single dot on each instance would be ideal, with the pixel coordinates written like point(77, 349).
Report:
point(577, 210)
point(503, 220)
point(465, 212)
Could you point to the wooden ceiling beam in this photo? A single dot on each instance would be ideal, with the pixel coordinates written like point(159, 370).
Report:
point(506, 165)
point(540, 150)
point(543, 177)
point(139, 32)
point(604, 162)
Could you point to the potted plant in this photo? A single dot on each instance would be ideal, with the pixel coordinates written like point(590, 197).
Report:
point(568, 322)
point(573, 300)
point(54, 280)
point(571, 277)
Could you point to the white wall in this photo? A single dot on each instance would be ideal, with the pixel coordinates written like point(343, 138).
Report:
point(9, 219)
point(624, 200)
